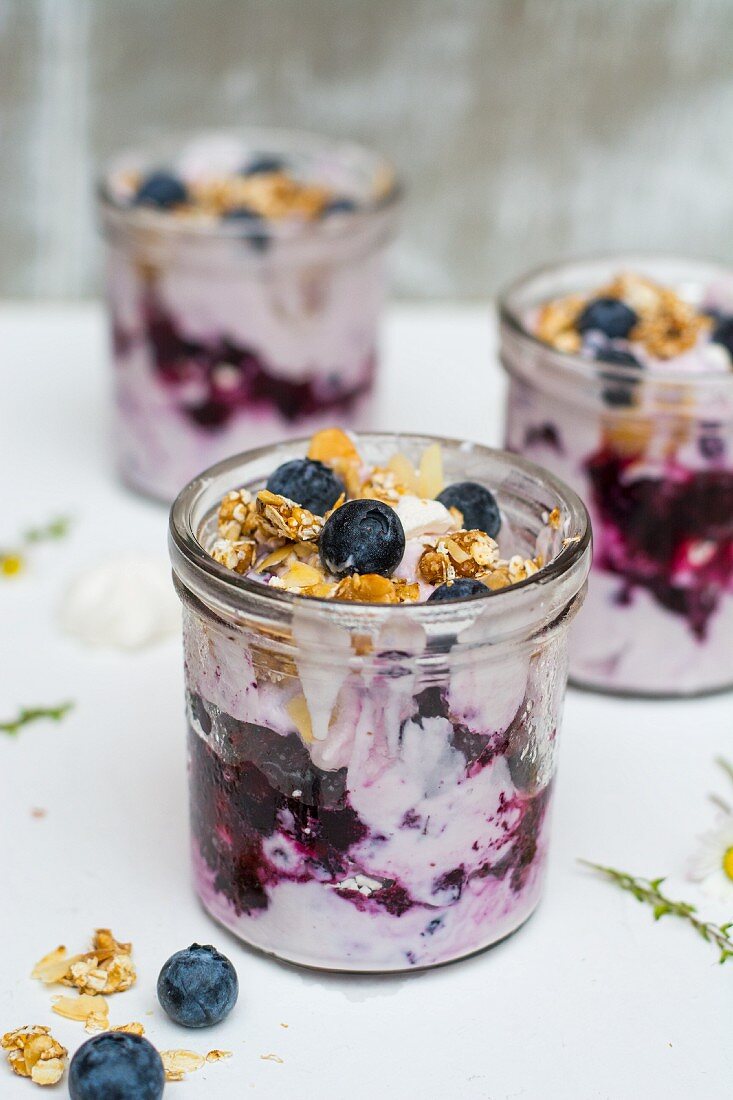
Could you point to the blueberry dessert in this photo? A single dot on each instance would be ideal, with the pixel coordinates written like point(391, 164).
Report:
point(244, 287)
point(198, 987)
point(644, 431)
point(370, 762)
point(116, 1066)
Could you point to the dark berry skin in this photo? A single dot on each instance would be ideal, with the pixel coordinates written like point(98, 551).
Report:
point(619, 393)
point(607, 315)
point(478, 506)
point(464, 588)
point(116, 1066)
point(362, 536)
point(161, 189)
point(253, 226)
point(308, 482)
point(723, 334)
point(198, 987)
point(339, 206)
point(264, 165)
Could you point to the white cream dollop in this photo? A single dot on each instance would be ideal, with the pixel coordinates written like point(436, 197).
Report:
point(424, 517)
point(126, 603)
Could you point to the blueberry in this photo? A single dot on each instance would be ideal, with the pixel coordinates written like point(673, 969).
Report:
point(308, 482)
point(607, 315)
point(478, 505)
point(619, 393)
point(723, 333)
point(362, 536)
point(465, 588)
point(198, 987)
point(116, 1066)
point(339, 206)
point(264, 165)
point(161, 189)
point(250, 220)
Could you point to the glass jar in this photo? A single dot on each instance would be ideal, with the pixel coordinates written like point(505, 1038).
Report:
point(371, 785)
point(651, 454)
point(235, 333)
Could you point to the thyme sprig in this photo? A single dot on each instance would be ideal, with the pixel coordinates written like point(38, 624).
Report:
point(27, 715)
point(649, 891)
point(56, 528)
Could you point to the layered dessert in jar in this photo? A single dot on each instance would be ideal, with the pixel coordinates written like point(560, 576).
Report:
point(621, 382)
point(375, 639)
point(245, 278)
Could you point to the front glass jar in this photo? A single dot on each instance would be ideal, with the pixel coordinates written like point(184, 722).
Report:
point(651, 453)
point(371, 785)
point(232, 329)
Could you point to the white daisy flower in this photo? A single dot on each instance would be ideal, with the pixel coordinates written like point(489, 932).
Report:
point(712, 864)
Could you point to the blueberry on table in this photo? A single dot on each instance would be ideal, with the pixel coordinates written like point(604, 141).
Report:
point(308, 482)
point(477, 505)
point(161, 189)
point(362, 536)
point(464, 588)
point(264, 165)
point(723, 334)
point(198, 987)
point(116, 1065)
point(608, 315)
point(619, 393)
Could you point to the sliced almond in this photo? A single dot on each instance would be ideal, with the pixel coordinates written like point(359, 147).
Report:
point(405, 473)
point(430, 479)
point(92, 1011)
point(218, 1055)
point(177, 1063)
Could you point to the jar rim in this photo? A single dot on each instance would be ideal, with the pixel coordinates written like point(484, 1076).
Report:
point(201, 574)
point(579, 367)
point(146, 218)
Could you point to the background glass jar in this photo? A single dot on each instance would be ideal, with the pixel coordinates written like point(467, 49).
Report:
point(233, 333)
point(656, 472)
point(371, 785)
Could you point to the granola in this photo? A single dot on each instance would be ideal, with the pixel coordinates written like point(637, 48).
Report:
point(107, 968)
point(33, 1052)
point(177, 1063)
point(275, 540)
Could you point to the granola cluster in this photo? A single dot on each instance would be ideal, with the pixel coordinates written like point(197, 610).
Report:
point(33, 1052)
point(107, 968)
point(272, 538)
point(666, 325)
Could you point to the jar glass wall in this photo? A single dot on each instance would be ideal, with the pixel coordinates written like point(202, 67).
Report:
point(651, 454)
point(371, 785)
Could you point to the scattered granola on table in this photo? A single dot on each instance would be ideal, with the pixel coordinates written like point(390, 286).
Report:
point(33, 1052)
point(333, 527)
point(107, 968)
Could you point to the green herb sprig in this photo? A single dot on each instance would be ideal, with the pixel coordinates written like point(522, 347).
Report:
point(649, 891)
point(57, 528)
point(35, 714)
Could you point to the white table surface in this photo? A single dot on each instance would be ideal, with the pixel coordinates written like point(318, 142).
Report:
point(590, 1000)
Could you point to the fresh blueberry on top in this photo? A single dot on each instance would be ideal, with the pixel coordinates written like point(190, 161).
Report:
point(253, 225)
point(723, 334)
point(198, 987)
point(264, 165)
point(339, 206)
point(161, 189)
point(478, 506)
point(116, 1065)
point(619, 393)
point(464, 588)
point(308, 482)
point(608, 315)
point(362, 536)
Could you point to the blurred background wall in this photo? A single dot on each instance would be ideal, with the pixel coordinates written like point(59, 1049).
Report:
point(525, 129)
